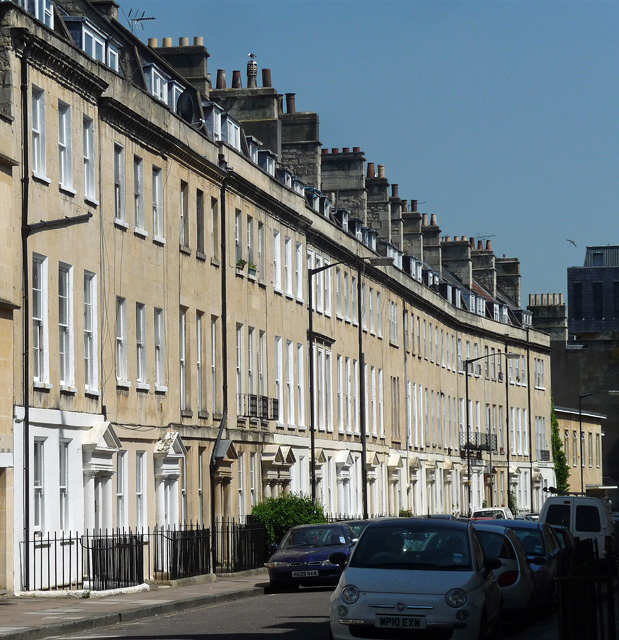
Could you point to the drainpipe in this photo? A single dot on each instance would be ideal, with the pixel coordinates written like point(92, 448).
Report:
point(224, 354)
point(530, 428)
point(25, 317)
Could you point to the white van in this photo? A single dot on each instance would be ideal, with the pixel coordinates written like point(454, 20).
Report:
point(493, 512)
point(585, 517)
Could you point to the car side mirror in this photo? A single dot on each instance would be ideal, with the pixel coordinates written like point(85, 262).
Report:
point(490, 564)
point(339, 558)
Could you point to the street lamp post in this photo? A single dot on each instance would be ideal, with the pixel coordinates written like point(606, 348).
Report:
point(611, 392)
point(467, 362)
point(362, 261)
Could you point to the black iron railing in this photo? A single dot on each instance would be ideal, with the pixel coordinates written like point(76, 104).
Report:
point(479, 441)
point(239, 547)
point(250, 405)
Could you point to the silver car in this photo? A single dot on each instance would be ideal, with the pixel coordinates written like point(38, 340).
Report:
point(414, 574)
point(514, 576)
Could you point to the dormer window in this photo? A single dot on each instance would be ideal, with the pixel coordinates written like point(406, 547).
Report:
point(156, 82)
point(174, 91)
point(112, 57)
point(253, 145)
point(458, 299)
point(497, 312)
point(213, 113)
point(44, 11)
point(92, 40)
point(266, 161)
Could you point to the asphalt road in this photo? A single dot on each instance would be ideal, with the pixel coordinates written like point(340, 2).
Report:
point(298, 615)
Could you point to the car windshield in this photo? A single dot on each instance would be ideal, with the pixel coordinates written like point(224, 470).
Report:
point(490, 513)
point(313, 536)
point(402, 546)
point(531, 540)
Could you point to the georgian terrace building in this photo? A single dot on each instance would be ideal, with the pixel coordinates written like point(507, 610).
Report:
point(160, 237)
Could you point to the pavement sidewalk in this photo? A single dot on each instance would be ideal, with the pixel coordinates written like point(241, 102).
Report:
point(30, 618)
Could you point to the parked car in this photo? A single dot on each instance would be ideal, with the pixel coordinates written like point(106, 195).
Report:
point(302, 557)
point(357, 526)
point(411, 574)
point(493, 512)
point(585, 517)
point(543, 550)
point(514, 576)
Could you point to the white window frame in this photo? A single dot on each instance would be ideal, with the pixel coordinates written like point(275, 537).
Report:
point(327, 281)
point(65, 147)
point(199, 364)
point(39, 153)
point(184, 214)
point(40, 321)
point(38, 482)
point(138, 192)
point(65, 327)
point(140, 345)
point(121, 341)
point(122, 490)
point(158, 220)
point(277, 261)
point(300, 386)
point(140, 489)
point(299, 271)
point(279, 367)
point(91, 361)
point(89, 159)
point(159, 331)
point(290, 389)
point(183, 360)
point(119, 184)
point(288, 265)
point(63, 485)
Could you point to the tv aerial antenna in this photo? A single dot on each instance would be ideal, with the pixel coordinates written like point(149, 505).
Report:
point(137, 19)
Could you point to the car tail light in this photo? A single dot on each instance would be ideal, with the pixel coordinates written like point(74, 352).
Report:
point(507, 578)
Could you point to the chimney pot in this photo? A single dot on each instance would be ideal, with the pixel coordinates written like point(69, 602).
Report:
point(183, 42)
point(465, 239)
point(433, 220)
point(236, 80)
point(198, 41)
point(335, 150)
point(424, 219)
point(280, 104)
point(252, 74)
point(456, 238)
point(381, 170)
point(531, 299)
point(167, 42)
point(414, 206)
point(356, 149)
point(404, 206)
point(560, 298)
point(371, 171)
point(325, 150)
point(152, 43)
point(488, 245)
point(480, 245)
point(221, 78)
point(345, 149)
point(290, 103)
point(447, 238)
point(266, 77)
point(472, 242)
point(395, 188)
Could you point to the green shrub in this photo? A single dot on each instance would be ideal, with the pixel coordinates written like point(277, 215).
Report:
point(406, 513)
point(288, 510)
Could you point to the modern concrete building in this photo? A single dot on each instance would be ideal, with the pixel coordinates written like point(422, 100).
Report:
point(158, 365)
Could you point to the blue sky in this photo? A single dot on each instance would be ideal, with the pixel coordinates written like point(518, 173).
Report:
point(500, 117)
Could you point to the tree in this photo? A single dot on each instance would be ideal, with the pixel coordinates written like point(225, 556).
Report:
point(562, 470)
point(287, 510)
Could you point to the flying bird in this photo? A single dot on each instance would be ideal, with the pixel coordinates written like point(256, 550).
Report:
point(568, 240)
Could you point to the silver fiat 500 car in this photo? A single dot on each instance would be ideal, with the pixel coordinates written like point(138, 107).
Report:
point(413, 574)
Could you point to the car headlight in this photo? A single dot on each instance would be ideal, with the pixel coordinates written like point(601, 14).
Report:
point(350, 594)
point(456, 598)
point(277, 565)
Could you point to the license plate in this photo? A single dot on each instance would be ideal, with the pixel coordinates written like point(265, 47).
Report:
point(400, 622)
point(311, 573)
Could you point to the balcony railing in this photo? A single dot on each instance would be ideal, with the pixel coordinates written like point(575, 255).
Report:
point(250, 405)
point(479, 441)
